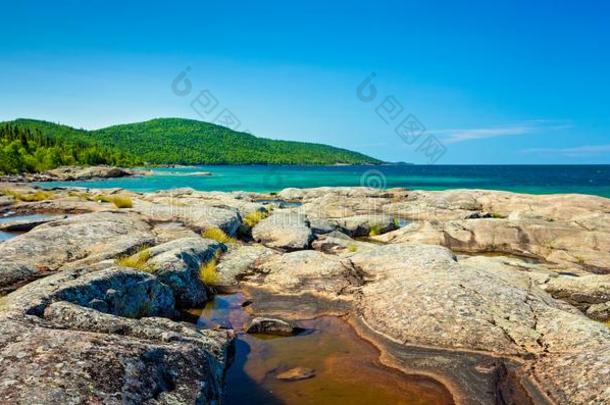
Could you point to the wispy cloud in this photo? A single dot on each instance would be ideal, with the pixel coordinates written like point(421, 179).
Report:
point(576, 151)
point(469, 134)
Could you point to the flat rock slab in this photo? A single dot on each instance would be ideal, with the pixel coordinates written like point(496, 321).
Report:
point(76, 240)
point(421, 295)
point(238, 260)
point(288, 231)
point(306, 271)
point(198, 217)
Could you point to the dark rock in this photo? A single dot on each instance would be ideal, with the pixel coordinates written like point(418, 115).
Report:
point(271, 326)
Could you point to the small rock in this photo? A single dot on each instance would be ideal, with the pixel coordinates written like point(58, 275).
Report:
point(296, 374)
point(270, 326)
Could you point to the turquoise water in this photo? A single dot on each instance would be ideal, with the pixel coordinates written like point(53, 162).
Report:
point(593, 179)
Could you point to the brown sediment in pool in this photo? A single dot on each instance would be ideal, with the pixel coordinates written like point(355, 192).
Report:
point(472, 377)
point(347, 368)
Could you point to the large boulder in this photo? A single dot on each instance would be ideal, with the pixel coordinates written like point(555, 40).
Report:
point(112, 289)
point(558, 242)
point(198, 217)
point(238, 260)
point(284, 230)
point(365, 225)
point(93, 335)
point(78, 355)
point(74, 241)
point(306, 271)
point(187, 197)
point(177, 265)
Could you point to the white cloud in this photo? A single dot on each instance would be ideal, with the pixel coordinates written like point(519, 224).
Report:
point(576, 151)
point(469, 134)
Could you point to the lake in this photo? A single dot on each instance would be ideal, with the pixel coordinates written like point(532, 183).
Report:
point(535, 179)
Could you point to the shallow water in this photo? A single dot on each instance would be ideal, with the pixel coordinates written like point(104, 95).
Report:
point(347, 368)
point(10, 218)
point(7, 235)
point(593, 179)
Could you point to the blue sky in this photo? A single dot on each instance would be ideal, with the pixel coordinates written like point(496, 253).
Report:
point(493, 82)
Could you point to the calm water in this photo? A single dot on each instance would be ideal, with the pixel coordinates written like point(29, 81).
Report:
point(594, 179)
point(10, 218)
point(330, 347)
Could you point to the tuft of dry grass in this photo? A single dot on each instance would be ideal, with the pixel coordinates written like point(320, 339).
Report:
point(137, 261)
point(29, 196)
point(218, 235)
point(121, 201)
point(253, 218)
point(208, 273)
point(375, 230)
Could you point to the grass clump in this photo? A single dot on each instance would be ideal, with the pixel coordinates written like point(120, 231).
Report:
point(29, 197)
point(208, 273)
point(375, 230)
point(103, 198)
point(138, 260)
point(352, 248)
point(254, 217)
point(218, 235)
point(121, 201)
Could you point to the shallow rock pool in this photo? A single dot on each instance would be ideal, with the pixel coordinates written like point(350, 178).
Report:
point(347, 368)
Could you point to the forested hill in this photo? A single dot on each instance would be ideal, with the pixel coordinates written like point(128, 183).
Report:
point(29, 148)
point(183, 141)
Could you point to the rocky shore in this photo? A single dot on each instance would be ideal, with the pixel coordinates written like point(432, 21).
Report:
point(503, 297)
point(74, 173)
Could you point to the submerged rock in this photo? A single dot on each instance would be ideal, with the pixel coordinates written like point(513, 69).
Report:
point(296, 374)
point(272, 326)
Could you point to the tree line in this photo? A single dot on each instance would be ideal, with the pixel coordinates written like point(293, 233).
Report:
point(25, 150)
